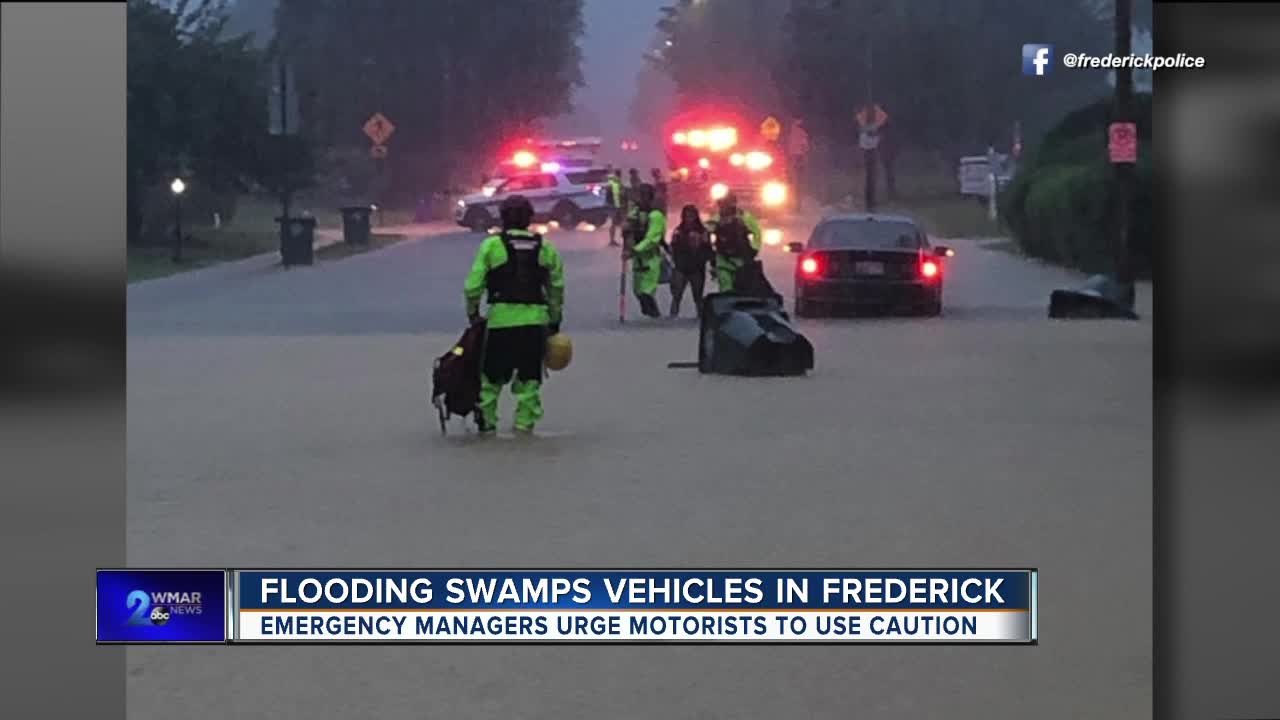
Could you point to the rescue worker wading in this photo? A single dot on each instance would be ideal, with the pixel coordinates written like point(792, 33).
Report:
point(738, 237)
point(524, 278)
point(616, 197)
point(650, 231)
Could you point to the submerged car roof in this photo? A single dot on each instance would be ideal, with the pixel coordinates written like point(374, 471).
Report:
point(869, 217)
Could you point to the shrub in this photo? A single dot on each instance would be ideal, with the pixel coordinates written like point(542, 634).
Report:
point(1061, 205)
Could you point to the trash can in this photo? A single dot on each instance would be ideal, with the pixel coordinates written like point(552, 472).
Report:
point(355, 224)
point(297, 240)
point(1098, 297)
point(741, 335)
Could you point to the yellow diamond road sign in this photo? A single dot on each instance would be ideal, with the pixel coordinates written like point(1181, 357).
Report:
point(874, 119)
point(770, 128)
point(378, 128)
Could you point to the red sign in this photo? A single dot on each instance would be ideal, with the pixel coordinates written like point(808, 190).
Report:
point(378, 128)
point(1123, 143)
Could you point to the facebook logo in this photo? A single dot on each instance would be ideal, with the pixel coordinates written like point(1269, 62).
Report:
point(1036, 59)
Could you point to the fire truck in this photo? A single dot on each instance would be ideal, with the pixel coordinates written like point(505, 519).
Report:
point(713, 152)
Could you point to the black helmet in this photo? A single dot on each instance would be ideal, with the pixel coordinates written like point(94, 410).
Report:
point(516, 213)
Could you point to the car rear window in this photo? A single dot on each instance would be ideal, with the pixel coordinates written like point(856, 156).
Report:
point(588, 177)
point(871, 234)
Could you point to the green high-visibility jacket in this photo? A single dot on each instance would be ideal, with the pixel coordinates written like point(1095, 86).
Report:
point(615, 191)
point(492, 254)
point(726, 267)
point(753, 227)
point(655, 233)
point(646, 256)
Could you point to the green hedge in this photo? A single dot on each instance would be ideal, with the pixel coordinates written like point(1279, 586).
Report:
point(1060, 205)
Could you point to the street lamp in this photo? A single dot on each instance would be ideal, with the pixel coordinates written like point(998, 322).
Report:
point(177, 187)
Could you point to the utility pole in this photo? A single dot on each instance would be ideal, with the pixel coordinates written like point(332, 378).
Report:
point(1122, 111)
point(285, 192)
point(869, 141)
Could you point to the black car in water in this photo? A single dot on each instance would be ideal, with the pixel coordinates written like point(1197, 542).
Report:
point(868, 261)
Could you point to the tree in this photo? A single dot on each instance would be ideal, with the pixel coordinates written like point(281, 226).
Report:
point(723, 52)
point(946, 72)
point(452, 75)
point(195, 103)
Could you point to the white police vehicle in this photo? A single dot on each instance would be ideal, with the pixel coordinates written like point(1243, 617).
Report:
point(567, 195)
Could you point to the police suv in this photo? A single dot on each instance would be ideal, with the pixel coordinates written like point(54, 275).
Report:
point(566, 195)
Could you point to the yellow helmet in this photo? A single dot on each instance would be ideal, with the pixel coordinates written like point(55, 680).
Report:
point(559, 351)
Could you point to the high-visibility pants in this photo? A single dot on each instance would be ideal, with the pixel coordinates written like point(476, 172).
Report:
point(518, 352)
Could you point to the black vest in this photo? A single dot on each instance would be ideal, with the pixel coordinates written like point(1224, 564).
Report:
point(733, 240)
point(521, 279)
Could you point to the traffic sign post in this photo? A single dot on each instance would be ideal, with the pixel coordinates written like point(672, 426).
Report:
point(798, 149)
point(770, 129)
point(1122, 145)
point(379, 128)
point(873, 117)
point(870, 119)
point(798, 141)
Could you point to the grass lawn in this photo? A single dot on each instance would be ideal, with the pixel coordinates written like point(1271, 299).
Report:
point(930, 196)
point(950, 216)
point(206, 247)
point(377, 241)
point(253, 231)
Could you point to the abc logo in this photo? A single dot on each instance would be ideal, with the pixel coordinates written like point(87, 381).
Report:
point(159, 615)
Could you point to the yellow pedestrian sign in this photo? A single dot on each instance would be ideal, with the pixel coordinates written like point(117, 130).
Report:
point(871, 118)
point(378, 128)
point(770, 128)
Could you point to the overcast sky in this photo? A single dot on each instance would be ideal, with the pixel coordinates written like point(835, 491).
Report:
point(618, 32)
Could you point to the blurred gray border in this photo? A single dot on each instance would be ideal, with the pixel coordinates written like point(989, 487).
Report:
point(1218, 351)
point(62, 139)
point(62, 409)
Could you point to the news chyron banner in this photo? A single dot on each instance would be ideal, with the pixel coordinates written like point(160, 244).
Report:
point(568, 606)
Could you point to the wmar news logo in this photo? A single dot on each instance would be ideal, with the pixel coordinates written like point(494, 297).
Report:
point(158, 608)
point(147, 605)
point(1037, 59)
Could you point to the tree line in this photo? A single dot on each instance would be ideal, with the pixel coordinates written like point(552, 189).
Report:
point(948, 73)
point(452, 75)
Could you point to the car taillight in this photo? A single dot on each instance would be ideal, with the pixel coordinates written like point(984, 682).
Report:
point(810, 266)
point(929, 269)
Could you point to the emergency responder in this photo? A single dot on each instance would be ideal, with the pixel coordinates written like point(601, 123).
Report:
point(632, 215)
point(691, 252)
point(738, 238)
point(660, 191)
point(524, 278)
point(650, 231)
point(615, 195)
